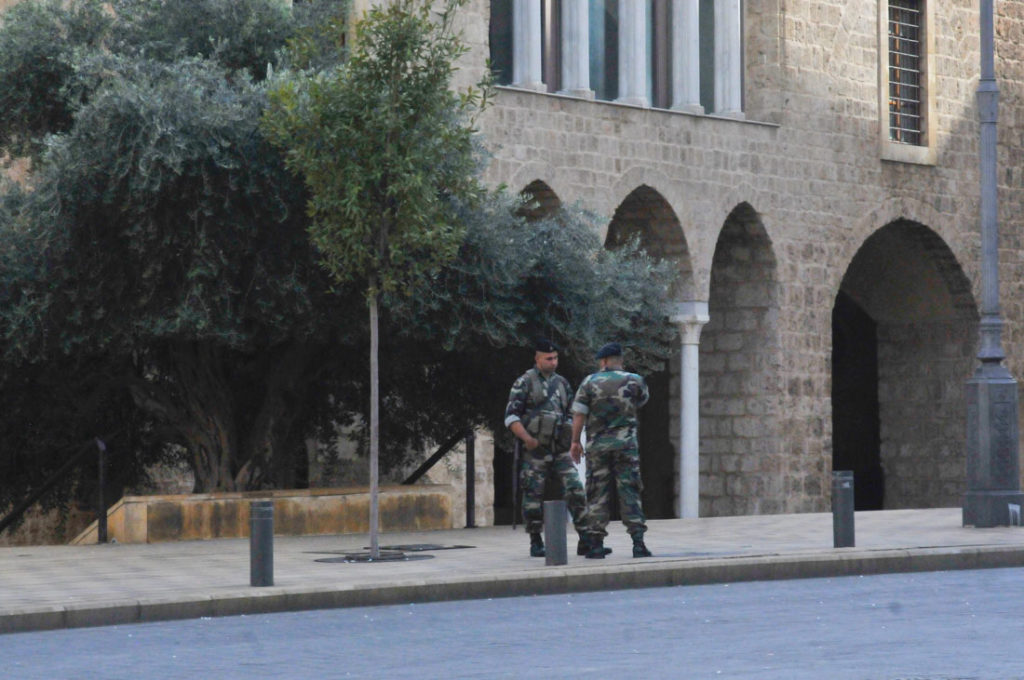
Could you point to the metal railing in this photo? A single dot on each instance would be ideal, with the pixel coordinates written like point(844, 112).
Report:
point(470, 439)
point(58, 475)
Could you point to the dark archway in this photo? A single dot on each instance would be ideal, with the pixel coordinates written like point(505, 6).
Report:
point(905, 282)
point(645, 215)
point(856, 434)
point(741, 459)
point(540, 201)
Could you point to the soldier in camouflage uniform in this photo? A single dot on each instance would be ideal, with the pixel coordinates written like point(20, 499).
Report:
point(538, 415)
point(607, 403)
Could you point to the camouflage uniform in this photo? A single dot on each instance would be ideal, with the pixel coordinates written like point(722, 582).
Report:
point(542, 404)
point(610, 399)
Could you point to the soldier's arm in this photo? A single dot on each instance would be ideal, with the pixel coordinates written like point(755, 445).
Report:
point(580, 409)
point(514, 412)
point(645, 394)
point(576, 450)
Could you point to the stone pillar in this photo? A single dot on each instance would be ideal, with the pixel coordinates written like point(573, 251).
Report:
point(690, 317)
point(728, 58)
point(633, 53)
point(526, 46)
point(576, 49)
point(686, 56)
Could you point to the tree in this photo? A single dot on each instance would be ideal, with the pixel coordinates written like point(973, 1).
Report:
point(160, 248)
point(469, 331)
point(157, 279)
point(387, 151)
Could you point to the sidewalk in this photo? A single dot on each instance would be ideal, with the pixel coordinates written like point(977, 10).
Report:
point(68, 586)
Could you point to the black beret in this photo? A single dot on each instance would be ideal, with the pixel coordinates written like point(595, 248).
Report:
point(544, 345)
point(612, 349)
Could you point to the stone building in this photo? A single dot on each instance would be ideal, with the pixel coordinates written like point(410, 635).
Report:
point(812, 169)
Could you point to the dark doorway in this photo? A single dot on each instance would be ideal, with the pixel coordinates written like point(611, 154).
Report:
point(657, 455)
point(856, 438)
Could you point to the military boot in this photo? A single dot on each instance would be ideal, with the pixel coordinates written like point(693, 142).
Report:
point(583, 547)
point(639, 549)
point(536, 545)
point(597, 550)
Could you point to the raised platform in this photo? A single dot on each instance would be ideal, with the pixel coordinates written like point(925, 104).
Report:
point(297, 512)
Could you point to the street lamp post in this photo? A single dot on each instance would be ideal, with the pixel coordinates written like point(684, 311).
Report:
point(993, 467)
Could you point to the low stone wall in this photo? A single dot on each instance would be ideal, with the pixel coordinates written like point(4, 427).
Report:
point(154, 519)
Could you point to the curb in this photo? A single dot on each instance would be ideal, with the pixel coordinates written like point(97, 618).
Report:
point(550, 581)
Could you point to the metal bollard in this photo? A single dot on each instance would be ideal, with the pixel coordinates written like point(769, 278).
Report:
point(261, 543)
point(842, 509)
point(555, 516)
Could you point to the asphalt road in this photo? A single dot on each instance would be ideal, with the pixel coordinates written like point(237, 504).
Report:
point(933, 626)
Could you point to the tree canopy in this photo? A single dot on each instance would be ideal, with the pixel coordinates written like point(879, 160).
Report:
point(159, 234)
point(162, 283)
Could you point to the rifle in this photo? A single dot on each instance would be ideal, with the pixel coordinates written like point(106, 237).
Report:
point(515, 478)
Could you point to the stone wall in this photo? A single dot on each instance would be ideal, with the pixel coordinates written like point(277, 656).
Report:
point(338, 463)
point(923, 368)
point(806, 166)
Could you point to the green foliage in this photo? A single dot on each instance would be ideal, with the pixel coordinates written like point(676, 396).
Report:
point(384, 146)
point(243, 36)
point(470, 328)
point(44, 44)
point(515, 280)
point(39, 45)
point(158, 262)
point(157, 272)
point(184, 222)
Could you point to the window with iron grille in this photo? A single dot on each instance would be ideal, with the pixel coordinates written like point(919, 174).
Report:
point(906, 122)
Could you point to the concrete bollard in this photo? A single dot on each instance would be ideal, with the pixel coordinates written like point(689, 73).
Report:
point(842, 509)
point(261, 543)
point(555, 516)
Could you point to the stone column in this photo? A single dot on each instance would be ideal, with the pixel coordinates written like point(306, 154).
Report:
point(686, 56)
point(576, 49)
point(526, 46)
point(728, 58)
point(690, 317)
point(633, 53)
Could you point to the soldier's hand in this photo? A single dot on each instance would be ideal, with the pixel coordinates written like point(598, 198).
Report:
point(531, 443)
point(576, 451)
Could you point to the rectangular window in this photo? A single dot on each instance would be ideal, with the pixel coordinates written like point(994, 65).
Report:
point(906, 81)
point(905, 72)
point(604, 49)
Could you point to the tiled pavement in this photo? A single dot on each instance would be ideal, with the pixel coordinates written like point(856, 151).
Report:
point(65, 586)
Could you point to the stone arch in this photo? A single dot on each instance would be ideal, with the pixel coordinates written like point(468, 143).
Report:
point(541, 201)
point(644, 214)
point(896, 209)
point(904, 316)
point(741, 466)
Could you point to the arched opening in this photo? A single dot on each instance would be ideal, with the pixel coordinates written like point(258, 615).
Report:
point(903, 334)
point(645, 215)
point(741, 462)
point(540, 201)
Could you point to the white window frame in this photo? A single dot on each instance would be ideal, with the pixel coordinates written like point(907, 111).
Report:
point(923, 153)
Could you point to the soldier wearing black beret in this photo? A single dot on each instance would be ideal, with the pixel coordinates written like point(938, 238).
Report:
point(538, 415)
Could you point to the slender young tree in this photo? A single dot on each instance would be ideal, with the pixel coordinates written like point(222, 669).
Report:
point(387, 151)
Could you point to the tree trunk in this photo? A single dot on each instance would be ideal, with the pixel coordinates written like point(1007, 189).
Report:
point(374, 422)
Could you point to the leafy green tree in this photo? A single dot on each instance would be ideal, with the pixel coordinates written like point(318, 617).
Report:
point(157, 281)
point(160, 249)
point(387, 151)
point(514, 280)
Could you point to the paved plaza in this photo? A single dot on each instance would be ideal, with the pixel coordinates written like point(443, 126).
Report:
point(52, 587)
